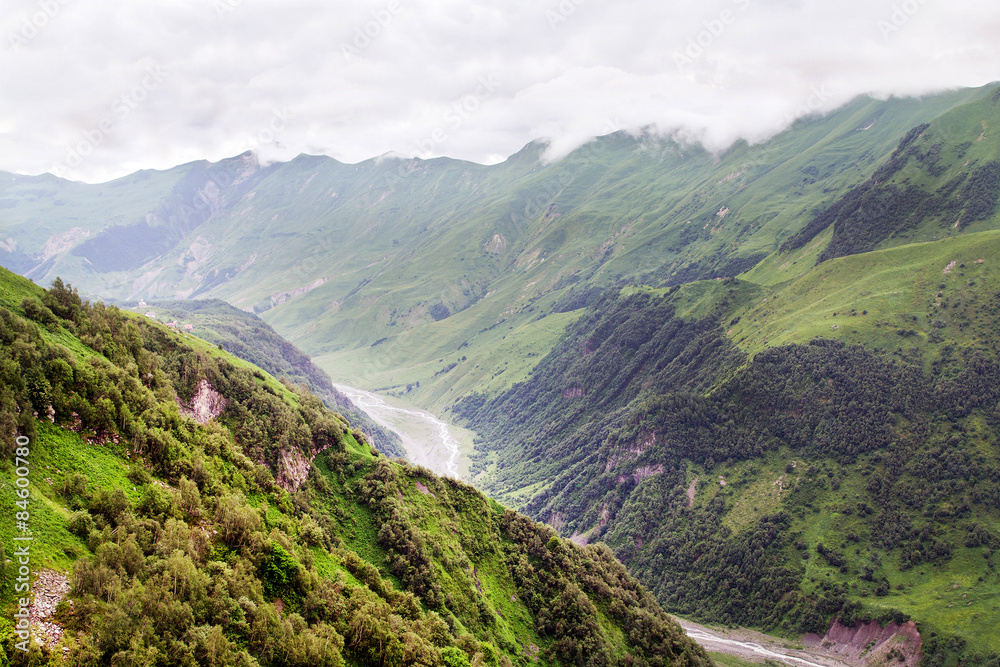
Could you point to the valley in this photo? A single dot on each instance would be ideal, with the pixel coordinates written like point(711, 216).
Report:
point(755, 648)
point(428, 441)
point(767, 380)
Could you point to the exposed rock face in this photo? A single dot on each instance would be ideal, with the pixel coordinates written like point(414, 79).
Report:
point(496, 245)
point(206, 404)
point(58, 243)
point(279, 298)
point(293, 469)
point(647, 471)
point(631, 452)
point(691, 491)
point(293, 465)
point(871, 644)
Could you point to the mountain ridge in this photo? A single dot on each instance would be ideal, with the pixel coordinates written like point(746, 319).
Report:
point(327, 252)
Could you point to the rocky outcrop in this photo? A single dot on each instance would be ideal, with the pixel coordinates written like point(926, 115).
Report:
point(497, 245)
point(631, 452)
point(205, 405)
point(293, 469)
point(645, 472)
point(49, 589)
point(58, 243)
point(279, 298)
point(870, 644)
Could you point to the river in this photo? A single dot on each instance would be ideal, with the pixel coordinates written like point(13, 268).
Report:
point(764, 647)
point(428, 441)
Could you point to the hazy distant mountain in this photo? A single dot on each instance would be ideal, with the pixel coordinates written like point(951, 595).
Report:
point(423, 257)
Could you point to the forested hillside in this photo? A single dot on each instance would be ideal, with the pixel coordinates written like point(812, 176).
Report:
point(768, 379)
point(942, 176)
point(248, 337)
point(807, 482)
point(207, 514)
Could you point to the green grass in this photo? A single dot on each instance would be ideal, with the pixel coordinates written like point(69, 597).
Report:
point(960, 597)
point(868, 299)
point(14, 288)
point(600, 211)
point(752, 489)
point(55, 454)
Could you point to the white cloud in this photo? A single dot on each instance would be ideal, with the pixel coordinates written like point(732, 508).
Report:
point(355, 80)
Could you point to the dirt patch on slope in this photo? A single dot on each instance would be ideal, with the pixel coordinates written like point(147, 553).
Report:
point(870, 644)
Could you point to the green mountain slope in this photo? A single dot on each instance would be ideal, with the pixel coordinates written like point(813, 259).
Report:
point(248, 337)
point(778, 456)
point(383, 269)
point(942, 180)
point(211, 515)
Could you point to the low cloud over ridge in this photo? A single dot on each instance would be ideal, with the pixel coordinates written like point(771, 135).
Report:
point(96, 90)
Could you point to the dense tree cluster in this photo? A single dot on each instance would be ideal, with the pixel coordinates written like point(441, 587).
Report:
point(248, 337)
point(617, 457)
point(852, 202)
point(981, 192)
point(571, 591)
point(566, 608)
point(876, 210)
point(607, 357)
point(133, 386)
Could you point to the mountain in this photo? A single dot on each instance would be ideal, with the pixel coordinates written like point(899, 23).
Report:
point(211, 515)
point(777, 455)
point(383, 270)
point(943, 176)
point(248, 337)
point(767, 379)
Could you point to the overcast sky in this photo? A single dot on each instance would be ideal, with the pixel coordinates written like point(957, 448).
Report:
point(94, 90)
